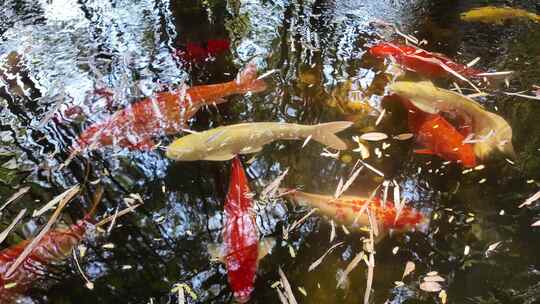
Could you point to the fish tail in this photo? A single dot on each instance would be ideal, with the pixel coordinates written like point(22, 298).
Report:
point(247, 80)
point(325, 134)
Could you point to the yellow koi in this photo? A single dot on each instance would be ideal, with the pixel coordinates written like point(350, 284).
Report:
point(497, 15)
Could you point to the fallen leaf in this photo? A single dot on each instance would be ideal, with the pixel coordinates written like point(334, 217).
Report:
point(409, 267)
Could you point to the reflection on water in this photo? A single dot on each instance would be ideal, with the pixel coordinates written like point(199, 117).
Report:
point(67, 64)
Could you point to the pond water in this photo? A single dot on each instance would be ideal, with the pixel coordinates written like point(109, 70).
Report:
point(73, 63)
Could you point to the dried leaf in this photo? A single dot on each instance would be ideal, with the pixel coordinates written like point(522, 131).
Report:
point(287, 287)
point(6, 231)
point(348, 183)
point(50, 205)
point(531, 199)
point(409, 267)
point(15, 197)
point(374, 136)
point(379, 119)
point(120, 213)
point(350, 268)
point(319, 260)
point(271, 189)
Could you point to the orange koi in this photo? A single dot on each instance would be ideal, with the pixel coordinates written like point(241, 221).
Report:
point(167, 113)
point(438, 136)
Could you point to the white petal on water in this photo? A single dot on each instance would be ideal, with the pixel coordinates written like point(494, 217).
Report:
point(404, 136)
point(492, 247)
point(536, 224)
point(435, 278)
point(467, 250)
point(430, 286)
point(374, 136)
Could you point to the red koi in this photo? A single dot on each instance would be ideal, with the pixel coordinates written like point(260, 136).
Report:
point(56, 245)
point(240, 235)
point(421, 61)
point(438, 136)
point(196, 52)
point(135, 126)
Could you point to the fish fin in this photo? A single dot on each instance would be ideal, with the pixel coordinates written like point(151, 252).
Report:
point(216, 252)
point(265, 247)
point(249, 150)
point(325, 134)
point(247, 80)
point(219, 157)
point(424, 151)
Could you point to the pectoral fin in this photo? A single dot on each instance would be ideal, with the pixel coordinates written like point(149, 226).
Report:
point(265, 247)
point(219, 157)
point(424, 151)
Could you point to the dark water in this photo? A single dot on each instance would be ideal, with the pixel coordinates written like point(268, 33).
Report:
point(72, 49)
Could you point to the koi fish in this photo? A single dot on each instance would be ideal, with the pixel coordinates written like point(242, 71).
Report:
point(196, 52)
point(223, 143)
point(497, 15)
point(421, 61)
point(349, 210)
point(135, 126)
point(56, 245)
point(241, 250)
point(494, 132)
point(438, 136)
